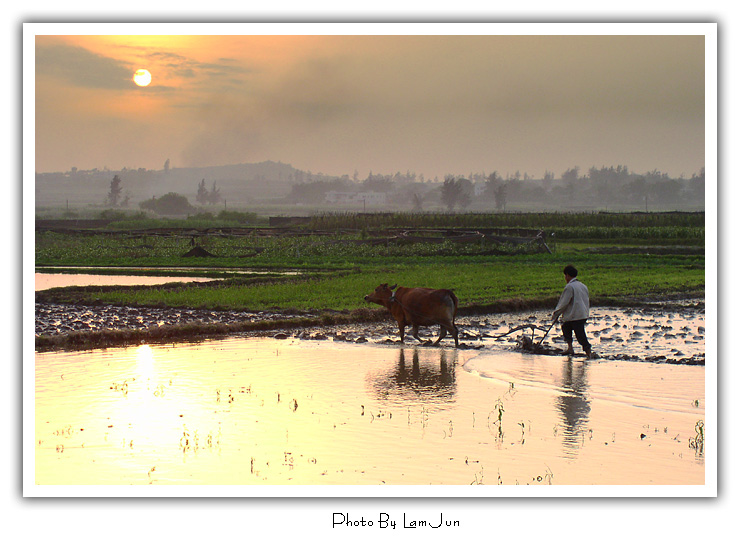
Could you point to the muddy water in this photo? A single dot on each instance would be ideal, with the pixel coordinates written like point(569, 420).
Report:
point(259, 411)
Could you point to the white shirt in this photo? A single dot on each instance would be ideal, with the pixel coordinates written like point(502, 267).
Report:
point(573, 303)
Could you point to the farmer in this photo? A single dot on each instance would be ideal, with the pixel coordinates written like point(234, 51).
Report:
point(573, 306)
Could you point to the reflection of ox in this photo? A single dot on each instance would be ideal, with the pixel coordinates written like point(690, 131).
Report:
point(427, 377)
point(417, 307)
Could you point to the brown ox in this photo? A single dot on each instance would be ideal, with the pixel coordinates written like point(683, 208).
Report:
point(417, 307)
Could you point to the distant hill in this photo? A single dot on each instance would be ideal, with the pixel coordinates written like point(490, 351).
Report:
point(238, 184)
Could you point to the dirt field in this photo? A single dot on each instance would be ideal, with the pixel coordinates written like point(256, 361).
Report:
point(672, 334)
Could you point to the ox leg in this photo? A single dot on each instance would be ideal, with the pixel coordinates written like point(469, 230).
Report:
point(401, 330)
point(443, 328)
point(442, 334)
point(415, 332)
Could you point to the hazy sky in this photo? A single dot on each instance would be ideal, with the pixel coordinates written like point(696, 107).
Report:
point(433, 105)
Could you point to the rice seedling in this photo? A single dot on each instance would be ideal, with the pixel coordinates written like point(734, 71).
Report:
point(696, 443)
point(121, 387)
point(546, 477)
point(478, 477)
point(498, 412)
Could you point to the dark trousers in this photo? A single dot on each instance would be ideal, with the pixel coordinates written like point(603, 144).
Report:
point(569, 327)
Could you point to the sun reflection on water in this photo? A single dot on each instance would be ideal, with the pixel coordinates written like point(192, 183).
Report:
point(145, 362)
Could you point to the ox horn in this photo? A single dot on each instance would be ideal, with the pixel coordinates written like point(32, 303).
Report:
point(394, 286)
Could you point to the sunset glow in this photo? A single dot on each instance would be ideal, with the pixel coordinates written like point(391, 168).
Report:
point(335, 104)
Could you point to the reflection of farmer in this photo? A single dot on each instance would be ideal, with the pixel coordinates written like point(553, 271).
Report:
point(573, 306)
point(574, 404)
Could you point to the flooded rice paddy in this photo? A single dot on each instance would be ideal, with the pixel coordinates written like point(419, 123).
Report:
point(44, 281)
point(353, 407)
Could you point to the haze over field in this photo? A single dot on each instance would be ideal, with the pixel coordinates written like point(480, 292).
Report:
point(350, 104)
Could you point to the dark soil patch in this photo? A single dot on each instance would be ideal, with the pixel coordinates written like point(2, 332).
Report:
point(198, 251)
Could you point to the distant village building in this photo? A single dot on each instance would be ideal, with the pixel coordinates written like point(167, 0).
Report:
point(354, 197)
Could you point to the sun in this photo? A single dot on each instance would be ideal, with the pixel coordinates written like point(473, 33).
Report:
point(142, 77)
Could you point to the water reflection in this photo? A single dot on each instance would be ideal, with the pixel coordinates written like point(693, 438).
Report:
point(573, 404)
point(254, 412)
point(45, 281)
point(427, 374)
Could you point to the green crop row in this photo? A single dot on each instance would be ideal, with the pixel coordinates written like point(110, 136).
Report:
point(321, 251)
point(690, 234)
point(534, 220)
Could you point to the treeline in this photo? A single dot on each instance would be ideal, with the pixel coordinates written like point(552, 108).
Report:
point(597, 188)
point(249, 185)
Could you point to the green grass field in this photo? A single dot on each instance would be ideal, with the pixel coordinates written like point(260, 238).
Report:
point(618, 256)
point(476, 284)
